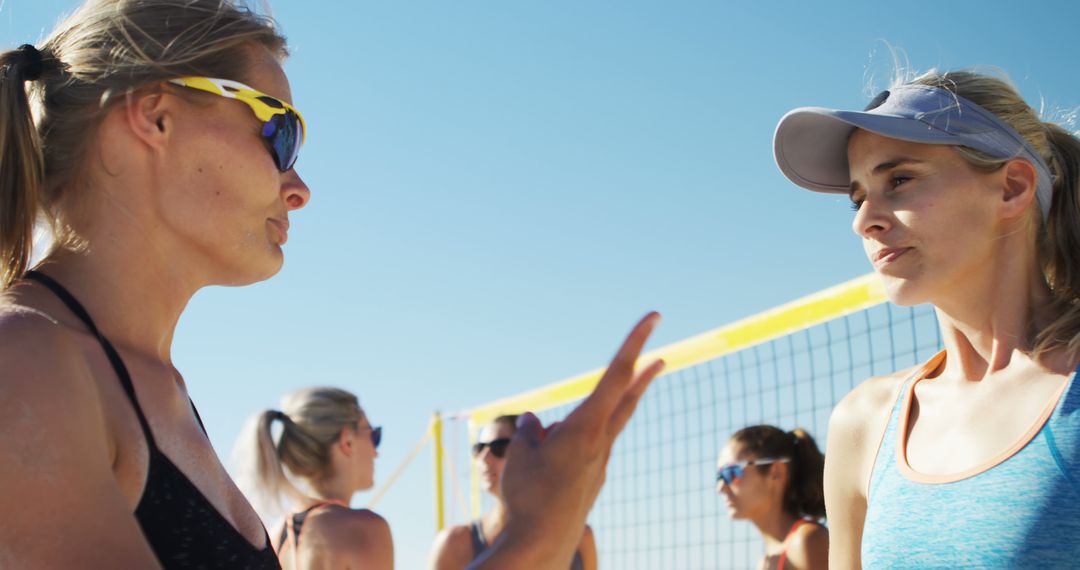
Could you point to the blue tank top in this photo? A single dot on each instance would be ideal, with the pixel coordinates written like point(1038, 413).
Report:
point(1023, 511)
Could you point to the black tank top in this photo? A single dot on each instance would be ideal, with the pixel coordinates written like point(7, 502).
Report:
point(480, 544)
point(182, 526)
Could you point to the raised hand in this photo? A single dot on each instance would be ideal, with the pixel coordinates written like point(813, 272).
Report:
point(553, 475)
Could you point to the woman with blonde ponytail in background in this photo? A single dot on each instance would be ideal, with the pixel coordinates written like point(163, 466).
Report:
point(773, 479)
point(327, 444)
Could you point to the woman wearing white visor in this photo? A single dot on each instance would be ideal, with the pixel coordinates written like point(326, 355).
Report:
point(966, 200)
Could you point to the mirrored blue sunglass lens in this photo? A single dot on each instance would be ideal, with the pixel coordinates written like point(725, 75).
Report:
point(729, 474)
point(284, 132)
point(376, 437)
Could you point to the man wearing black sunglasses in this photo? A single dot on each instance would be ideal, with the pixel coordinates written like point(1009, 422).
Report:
point(456, 547)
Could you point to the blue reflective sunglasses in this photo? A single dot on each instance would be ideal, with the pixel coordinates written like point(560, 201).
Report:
point(283, 127)
point(730, 473)
point(376, 436)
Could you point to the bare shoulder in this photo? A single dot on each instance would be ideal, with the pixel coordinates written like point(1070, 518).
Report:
point(866, 406)
point(810, 536)
point(588, 539)
point(856, 428)
point(453, 548)
point(857, 425)
point(43, 367)
point(457, 535)
point(48, 395)
point(587, 549)
point(359, 537)
point(347, 523)
point(366, 520)
point(809, 547)
point(44, 375)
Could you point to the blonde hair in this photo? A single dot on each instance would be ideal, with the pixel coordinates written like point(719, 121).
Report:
point(105, 49)
point(1058, 237)
point(311, 423)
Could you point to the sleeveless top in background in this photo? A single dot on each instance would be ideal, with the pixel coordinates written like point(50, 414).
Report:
point(182, 527)
point(1019, 510)
point(294, 525)
point(787, 541)
point(480, 544)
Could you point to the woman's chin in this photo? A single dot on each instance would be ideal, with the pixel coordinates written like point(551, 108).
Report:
point(902, 292)
point(255, 271)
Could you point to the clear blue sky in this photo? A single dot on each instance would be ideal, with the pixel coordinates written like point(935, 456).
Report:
point(499, 189)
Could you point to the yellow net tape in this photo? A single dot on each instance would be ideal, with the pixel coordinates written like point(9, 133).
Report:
point(831, 303)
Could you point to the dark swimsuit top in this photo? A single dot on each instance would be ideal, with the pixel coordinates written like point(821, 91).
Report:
point(183, 528)
point(294, 524)
point(480, 544)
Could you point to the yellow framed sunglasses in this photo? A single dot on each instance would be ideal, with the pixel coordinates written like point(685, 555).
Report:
point(283, 127)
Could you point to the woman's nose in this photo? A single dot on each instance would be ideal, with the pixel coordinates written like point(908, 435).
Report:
point(295, 191)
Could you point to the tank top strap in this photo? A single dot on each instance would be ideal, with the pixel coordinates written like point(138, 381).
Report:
point(294, 524)
point(479, 542)
point(117, 363)
point(787, 541)
point(296, 520)
point(198, 418)
point(886, 452)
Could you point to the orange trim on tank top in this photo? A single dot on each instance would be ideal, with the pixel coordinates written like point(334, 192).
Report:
point(905, 417)
point(787, 540)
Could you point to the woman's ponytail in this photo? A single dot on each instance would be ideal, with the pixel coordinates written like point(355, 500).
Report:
point(806, 490)
point(1061, 243)
point(311, 423)
point(22, 166)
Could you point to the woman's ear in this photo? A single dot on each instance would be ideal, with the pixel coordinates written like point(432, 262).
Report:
point(148, 114)
point(346, 441)
point(1019, 181)
point(778, 472)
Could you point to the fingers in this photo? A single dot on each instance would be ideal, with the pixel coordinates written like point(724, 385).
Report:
point(609, 391)
point(529, 430)
point(632, 396)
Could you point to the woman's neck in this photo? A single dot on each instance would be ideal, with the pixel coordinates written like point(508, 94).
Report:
point(134, 297)
point(334, 489)
point(495, 520)
point(990, 318)
point(774, 527)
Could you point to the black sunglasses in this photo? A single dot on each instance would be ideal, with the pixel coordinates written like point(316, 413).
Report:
point(497, 447)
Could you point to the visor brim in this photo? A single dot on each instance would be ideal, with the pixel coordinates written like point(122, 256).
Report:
point(810, 143)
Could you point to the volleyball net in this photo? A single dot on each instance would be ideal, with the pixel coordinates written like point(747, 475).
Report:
point(787, 366)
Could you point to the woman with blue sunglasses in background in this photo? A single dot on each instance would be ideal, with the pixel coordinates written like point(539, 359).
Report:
point(456, 547)
point(773, 478)
point(328, 445)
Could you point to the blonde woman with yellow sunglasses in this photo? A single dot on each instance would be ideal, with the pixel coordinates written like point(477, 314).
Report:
point(157, 139)
point(155, 186)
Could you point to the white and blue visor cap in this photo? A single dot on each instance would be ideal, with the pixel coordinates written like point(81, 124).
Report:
point(810, 143)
